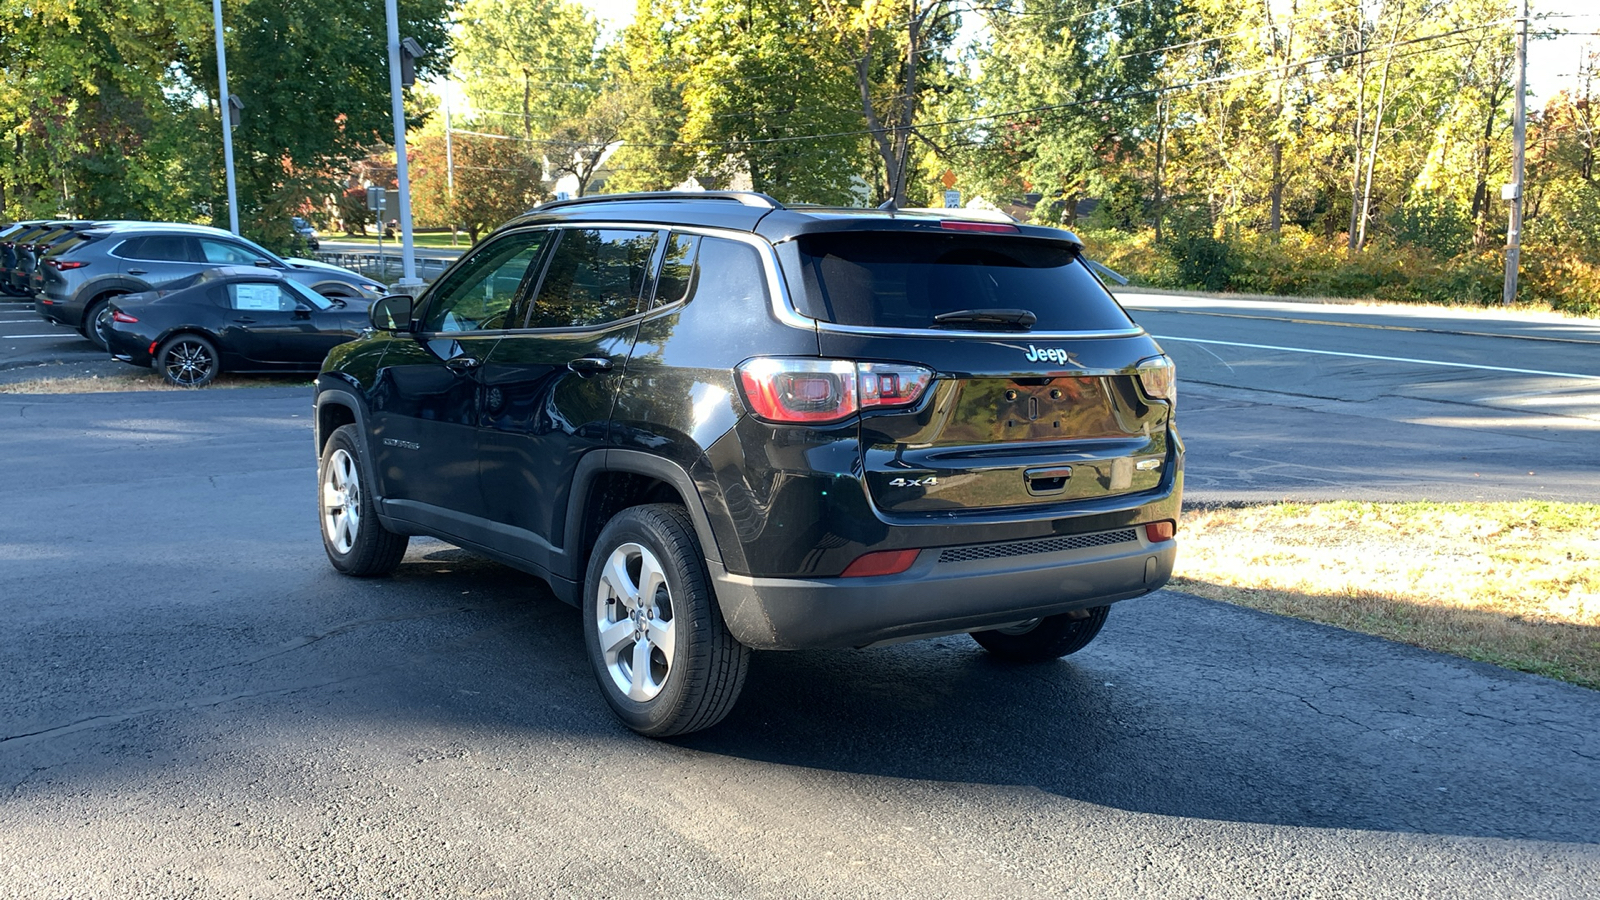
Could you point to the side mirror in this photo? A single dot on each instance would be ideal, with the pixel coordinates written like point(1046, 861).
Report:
point(391, 313)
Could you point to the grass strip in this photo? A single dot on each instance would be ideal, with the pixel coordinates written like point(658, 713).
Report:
point(142, 381)
point(1513, 584)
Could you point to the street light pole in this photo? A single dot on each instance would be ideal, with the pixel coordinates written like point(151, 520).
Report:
point(449, 173)
point(227, 118)
point(1519, 139)
point(408, 261)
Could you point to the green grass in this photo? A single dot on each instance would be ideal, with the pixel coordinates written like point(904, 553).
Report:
point(1513, 584)
point(435, 240)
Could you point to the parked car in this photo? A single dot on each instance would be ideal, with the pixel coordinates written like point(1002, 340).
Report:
point(16, 235)
point(31, 254)
point(305, 232)
point(233, 318)
point(715, 424)
point(130, 258)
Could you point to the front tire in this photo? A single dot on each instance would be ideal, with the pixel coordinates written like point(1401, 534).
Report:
point(188, 360)
point(357, 543)
point(665, 660)
point(1051, 637)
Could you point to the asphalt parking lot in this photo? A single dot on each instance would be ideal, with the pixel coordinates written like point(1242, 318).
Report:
point(202, 701)
point(195, 704)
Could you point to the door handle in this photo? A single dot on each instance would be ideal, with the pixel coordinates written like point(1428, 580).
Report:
point(246, 320)
point(137, 271)
point(590, 365)
point(461, 364)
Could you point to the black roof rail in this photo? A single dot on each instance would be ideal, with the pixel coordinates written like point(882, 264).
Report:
point(748, 198)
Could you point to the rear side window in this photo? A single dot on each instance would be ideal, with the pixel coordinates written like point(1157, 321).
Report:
point(595, 276)
point(709, 266)
point(903, 280)
point(161, 247)
point(67, 245)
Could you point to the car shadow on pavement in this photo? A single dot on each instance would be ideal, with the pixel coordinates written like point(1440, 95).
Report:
point(1187, 707)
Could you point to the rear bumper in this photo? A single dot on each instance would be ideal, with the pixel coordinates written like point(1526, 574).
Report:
point(946, 591)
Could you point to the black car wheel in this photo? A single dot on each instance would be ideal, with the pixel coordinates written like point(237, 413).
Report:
point(97, 320)
point(357, 543)
point(665, 660)
point(1044, 639)
point(188, 360)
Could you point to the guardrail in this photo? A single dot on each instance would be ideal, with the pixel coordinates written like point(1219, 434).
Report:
point(386, 267)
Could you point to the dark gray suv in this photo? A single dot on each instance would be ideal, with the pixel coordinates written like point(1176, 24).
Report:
point(85, 271)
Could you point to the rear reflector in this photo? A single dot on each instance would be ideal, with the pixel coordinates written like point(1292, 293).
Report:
point(1159, 531)
point(120, 316)
point(985, 227)
point(884, 562)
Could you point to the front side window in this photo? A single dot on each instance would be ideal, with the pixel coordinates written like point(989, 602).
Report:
point(254, 296)
point(596, 275)
point(226, 253)
point(478, 294)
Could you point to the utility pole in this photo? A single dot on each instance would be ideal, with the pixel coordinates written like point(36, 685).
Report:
point(1514, 191)
point(449, 173)
point(224, 107)
point(409, 282)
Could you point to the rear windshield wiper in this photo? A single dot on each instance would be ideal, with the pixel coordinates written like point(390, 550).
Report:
point(1014, 319)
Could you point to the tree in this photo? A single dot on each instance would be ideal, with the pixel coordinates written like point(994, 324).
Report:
point(496, 178)
point(528, 65)
point(1070, 84)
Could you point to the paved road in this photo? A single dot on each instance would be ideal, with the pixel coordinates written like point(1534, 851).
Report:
point(1294, 400)
point(193, 704)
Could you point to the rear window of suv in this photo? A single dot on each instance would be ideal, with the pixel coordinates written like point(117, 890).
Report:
point(904, 279)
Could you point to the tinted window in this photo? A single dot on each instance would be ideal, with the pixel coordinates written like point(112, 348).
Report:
point(61, 248)
point(595, 276)
point(676, 279)
point(730, 271)
point(903, 280)
point(477, 295)
point(163, 247)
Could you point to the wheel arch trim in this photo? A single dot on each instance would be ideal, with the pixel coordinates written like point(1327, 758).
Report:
point(631, 462)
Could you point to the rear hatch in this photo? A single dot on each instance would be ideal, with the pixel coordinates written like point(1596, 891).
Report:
point(1044, 391)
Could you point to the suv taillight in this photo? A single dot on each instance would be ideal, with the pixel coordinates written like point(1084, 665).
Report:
point(61, 265)
point(818, 391)
point(1159, 379)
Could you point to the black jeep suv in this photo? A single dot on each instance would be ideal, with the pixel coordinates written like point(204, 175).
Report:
point(714, 424)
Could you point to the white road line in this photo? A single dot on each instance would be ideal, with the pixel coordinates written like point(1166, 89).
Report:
point(59, 334)
point(1398, 359)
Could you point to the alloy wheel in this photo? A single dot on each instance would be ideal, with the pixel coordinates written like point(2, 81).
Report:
point(634, 622)
point(341, 501)
point(189, 363)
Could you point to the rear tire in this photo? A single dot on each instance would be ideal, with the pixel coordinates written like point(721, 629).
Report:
point(357, 543)
point(1051, 637)
point(96, 320)
point(665, 660)
point(188, 360)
